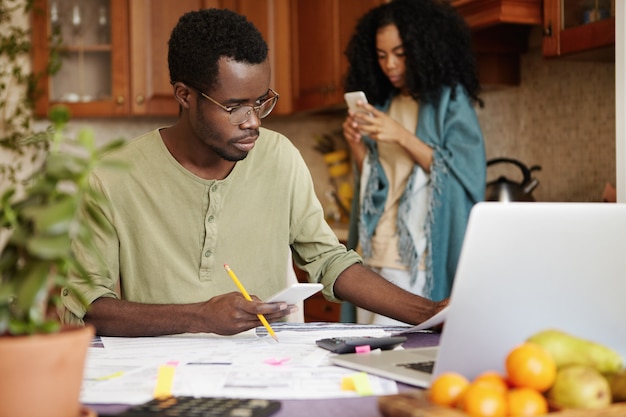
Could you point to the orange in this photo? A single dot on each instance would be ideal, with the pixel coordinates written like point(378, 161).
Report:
point(530, 366)
point(494, 379)
point(484, 400)
point(447, 389)
point(526, 402)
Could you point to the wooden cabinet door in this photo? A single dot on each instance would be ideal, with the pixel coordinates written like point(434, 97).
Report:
point(315, 54)
point(151, 23)
point(93, 80)
point(321, 32)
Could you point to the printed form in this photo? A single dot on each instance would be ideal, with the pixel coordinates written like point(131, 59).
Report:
point(248, 365)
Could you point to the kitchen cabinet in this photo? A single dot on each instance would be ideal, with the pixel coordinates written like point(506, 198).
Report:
point(151, 22)
point(480, 14)
point(93, 77)
point(150, 25)
point(500, 31)
point(321, 31)
point(120, 68)
point(572, 27)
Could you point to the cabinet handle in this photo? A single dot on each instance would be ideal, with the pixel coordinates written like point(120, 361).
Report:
point(547, 31)
point(119, 100)
point(140, 99)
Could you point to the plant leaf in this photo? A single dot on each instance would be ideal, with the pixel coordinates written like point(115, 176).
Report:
point(32, 287)
point(49, 247)
point(54, 218)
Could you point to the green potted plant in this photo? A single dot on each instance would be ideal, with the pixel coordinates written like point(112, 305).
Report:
point(40, 220)
point(43, 191)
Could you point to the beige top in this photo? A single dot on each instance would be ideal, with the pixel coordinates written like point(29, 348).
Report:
point(398, 166)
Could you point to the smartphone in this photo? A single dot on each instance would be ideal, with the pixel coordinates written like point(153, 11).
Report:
point(353, 97)
point(295, 293)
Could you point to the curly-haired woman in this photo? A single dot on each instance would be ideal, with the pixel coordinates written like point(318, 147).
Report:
point(417, 147)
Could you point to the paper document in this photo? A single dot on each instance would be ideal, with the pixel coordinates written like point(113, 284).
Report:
point(435, 320)
point(247, 365)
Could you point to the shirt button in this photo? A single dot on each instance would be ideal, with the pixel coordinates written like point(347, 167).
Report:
point(211, 218)
point(65, 292)
point(214, 188)
point(207, 254)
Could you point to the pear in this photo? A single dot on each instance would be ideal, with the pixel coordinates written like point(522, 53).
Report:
point(567, 349)
point(579, 386)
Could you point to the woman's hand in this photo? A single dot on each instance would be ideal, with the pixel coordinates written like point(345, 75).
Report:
point(351, 131)
point(382, 128)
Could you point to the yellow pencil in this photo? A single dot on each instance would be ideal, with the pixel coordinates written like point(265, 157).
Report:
point(247, 297)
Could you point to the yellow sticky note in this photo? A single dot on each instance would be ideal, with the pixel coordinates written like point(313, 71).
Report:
point(112, 376)
point(347, 384)
point(165, 378)
point(362, 384)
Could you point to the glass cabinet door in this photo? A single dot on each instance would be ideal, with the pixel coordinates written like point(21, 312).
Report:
point(85, 30)
point(579, 26)
point(582, 12)
point(93, 76)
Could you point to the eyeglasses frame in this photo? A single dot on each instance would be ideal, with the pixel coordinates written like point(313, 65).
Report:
point(230, 110)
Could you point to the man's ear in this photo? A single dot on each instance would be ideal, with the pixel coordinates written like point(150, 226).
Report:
point(182, 94)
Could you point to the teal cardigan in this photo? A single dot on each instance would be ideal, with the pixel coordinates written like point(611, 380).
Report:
point(457, 182)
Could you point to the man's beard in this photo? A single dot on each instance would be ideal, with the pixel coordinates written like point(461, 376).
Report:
point(228, 156)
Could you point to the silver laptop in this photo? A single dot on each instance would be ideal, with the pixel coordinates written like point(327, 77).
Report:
point(524, 267)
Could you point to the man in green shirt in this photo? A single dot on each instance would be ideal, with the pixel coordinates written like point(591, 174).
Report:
point(213, 189)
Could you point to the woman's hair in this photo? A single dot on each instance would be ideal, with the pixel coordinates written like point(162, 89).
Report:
point(437, 46)
point(201, 38)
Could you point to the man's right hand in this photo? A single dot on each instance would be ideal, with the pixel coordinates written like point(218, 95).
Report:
point(234, 314)
point(225, 314)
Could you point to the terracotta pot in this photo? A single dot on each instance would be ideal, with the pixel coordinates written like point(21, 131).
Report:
point(41, 375)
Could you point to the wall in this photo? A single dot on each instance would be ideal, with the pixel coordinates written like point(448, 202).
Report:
point(620, 98)
point(561, 117)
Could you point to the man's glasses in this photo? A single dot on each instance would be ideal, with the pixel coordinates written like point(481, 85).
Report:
point(240, 114)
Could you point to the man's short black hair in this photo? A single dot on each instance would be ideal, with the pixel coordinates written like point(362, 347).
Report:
point(202, 37)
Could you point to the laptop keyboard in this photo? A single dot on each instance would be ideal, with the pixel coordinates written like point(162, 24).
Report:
point(426, 366)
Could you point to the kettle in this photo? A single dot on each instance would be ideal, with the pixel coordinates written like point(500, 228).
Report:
point(505, 190)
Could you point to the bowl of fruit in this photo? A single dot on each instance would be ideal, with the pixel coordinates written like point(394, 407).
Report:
point(550, 373)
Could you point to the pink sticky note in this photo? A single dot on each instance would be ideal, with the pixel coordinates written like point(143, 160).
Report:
point(362, 349)
point(276, 361)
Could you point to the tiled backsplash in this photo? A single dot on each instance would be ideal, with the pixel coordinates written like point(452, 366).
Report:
point(561, 117)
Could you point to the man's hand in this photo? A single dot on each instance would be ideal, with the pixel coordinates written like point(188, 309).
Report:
point(225, 314)
point(231, 313)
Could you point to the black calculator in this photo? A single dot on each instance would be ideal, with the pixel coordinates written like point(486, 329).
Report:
point(203, 407)
point(349, 344)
